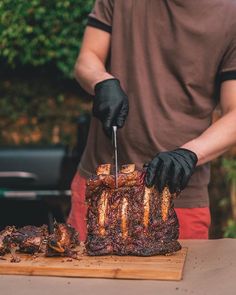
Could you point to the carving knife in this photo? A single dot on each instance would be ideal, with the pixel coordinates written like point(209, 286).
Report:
point(114, 135)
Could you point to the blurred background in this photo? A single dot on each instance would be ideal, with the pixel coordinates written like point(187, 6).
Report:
point(45, 115)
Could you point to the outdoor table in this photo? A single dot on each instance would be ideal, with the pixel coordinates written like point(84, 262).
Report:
point(210, 268)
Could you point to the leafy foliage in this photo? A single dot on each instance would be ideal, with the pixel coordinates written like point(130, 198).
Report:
point(220, 203)
point(230, 229)
point(230, 166)
point(39, 108)
point(39, 43)
point(40, 32)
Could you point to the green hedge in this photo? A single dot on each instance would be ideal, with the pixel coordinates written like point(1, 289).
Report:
point(39, 43)
point(40, 32)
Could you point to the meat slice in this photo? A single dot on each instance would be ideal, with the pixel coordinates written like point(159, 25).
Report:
point(63, 241)
point(3, 244)
point(28, 239)
point(129, 220)
point(31, 239)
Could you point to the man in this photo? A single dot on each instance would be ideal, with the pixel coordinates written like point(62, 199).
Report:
point(157, 69)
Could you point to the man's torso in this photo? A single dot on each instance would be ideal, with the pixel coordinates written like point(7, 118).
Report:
point(166, 54)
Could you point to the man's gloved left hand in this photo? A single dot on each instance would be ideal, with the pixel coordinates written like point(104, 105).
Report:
point(172, 169)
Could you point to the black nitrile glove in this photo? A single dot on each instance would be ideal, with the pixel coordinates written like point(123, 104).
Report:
point(110, 105)
point(173, 169)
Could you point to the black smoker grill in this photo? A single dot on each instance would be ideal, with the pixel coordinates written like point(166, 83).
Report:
point(38, 177)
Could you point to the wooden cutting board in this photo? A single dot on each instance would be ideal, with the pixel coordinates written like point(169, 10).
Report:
point(116, 267)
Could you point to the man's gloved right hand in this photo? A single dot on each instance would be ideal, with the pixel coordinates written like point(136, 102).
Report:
point(110, 105)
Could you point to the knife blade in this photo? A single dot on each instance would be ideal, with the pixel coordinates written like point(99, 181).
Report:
point(114, 136)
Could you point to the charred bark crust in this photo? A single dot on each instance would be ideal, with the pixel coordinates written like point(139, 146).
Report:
point(28, 239)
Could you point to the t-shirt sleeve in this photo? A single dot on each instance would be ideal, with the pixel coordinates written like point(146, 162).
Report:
point(101, 15)
point(228, 64)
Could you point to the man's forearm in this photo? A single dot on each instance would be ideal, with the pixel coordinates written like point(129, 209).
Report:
point(216, 140)
point(89, 70)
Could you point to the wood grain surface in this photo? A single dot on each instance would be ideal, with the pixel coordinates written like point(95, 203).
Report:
point(115, 267)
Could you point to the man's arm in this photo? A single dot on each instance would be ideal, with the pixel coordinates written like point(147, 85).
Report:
point(90, 65)
point(110, 104)
point(174, 168)
point(221, 135)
